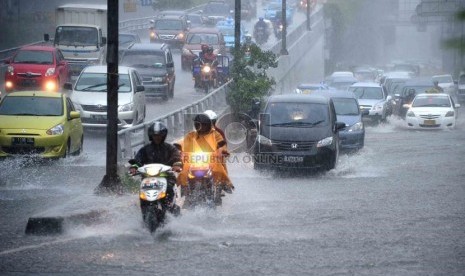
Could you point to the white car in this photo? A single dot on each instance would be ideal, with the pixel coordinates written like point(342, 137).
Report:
point(432, 111)
point(89, 95)
point(446, 82)
point(373, 98)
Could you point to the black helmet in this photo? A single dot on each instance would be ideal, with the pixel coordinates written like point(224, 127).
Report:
point(210, 49)
point(157, 128)
point(202, 123)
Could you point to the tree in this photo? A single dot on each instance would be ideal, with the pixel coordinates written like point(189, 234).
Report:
point(250, 78)
point(457, 42)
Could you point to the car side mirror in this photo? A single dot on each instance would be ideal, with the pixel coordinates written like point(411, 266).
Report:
point(340, 125)
point(365, 112)
point(457, 105)
point(140, 88)
point(46, 37)
point(74, 115)
point(68, 86)
point(104, 41)
point(152, 21)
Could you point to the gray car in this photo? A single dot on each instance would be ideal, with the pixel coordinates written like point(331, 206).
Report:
point(373, 98)
point(154, 63)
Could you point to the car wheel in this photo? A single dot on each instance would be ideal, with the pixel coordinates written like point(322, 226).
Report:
point(67, 149)
point(172, 92)
point(331, 164)
point(81, 147)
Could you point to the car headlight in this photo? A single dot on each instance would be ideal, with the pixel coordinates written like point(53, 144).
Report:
point(126, 107)
point(355, 127)
point(50, 72)
point(410, 114)
point(325, 142)
point(158, 79)
point(11, 70)
point(56, 130)
point(450, 113)
point(264, 141)
point(379, 106)
point(51, 86)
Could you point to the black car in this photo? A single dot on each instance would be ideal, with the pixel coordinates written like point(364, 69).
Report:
point(169, 29)
point(408, 91)
point(298, 131)
point(154, 63)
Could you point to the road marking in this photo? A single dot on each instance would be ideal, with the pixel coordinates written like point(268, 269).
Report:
point(23, 248)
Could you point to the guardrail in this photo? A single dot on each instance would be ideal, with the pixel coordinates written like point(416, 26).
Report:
point(178, 123)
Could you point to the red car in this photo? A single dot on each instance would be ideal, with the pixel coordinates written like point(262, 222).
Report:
point(36, 67)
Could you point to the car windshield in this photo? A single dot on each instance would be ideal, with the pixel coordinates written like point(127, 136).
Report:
point(143, 59)
point(194, 19)
point(217, 8)
point(418, 89)
point(297, 114)
point(31, 106)
point(76, 36)
point(432, 101)
point(97, 82)
point(33, 57)
point(372, 93)
point(168, 24)
point(201, 38)
point(346, 106)
point(126, 39)
point(226, 31)
point(443, 79)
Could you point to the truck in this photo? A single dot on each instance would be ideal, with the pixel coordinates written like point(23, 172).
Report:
point(81, 35)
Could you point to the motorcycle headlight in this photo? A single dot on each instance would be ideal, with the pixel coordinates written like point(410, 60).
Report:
point(325, 142)
point(126, 107)
point(450, 113)
point(206, 69)
point(410, 114)
point(264, 141)
point(355, 127)
point(56, 130)
point(50, 72)
point(180, 36)
point(153, 35)
point(11, 70)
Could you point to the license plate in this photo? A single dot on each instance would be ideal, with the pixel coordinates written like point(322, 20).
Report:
point(22, 141)
point(99, 117)
point(429, 122)
point(293, 159)
point(28, 82)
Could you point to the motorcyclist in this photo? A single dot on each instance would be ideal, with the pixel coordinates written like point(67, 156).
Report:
point(410, 95)
point(158, 151)
point(261, 25)
point(277, 25)
point(205, 139)
point(197, 64)
point(214, 117)
point(210, 57)
point(435, 89)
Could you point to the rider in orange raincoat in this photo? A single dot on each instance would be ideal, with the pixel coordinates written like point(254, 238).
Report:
point(205, 139)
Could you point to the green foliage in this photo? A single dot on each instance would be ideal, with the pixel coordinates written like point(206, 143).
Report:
point(250, 78)
point(130, 184)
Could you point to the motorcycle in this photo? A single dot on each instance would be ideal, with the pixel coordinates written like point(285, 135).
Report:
point(278, 31)
point(204, 75)
point(201, 189)
point(153, 194)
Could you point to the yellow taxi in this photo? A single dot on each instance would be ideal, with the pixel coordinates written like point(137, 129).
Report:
point(41, 124)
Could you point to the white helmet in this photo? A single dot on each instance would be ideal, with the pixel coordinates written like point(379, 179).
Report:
point(211, 114)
